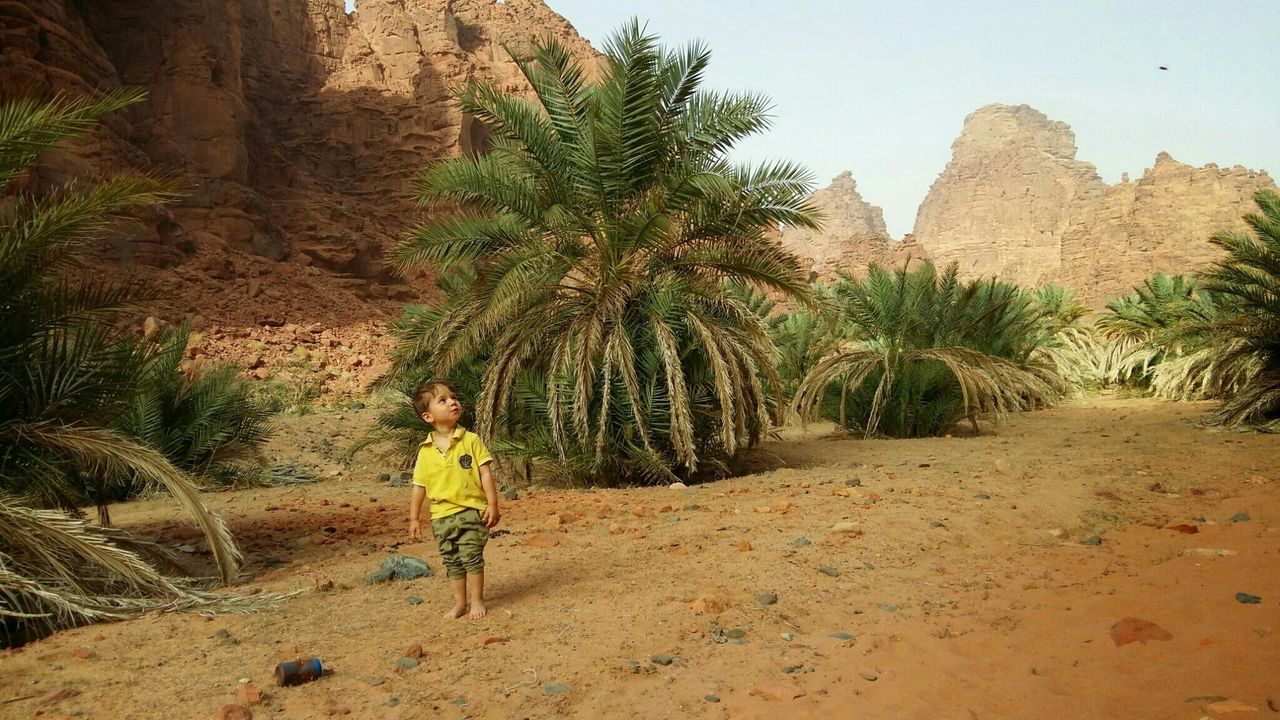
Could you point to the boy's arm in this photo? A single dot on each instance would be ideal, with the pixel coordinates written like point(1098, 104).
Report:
point(491, 514)
point(415, 509)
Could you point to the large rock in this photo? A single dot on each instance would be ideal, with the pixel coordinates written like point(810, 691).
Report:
point(853, 234)
point(297, 126)
point(1015, 202)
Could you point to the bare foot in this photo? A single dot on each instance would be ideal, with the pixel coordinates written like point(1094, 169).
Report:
point(477, 611)
point(458, 611)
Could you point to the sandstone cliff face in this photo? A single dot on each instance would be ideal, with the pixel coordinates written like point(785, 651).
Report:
point(1003, 203)
point(853, 234)
point(1015, 202)
point(298, 127)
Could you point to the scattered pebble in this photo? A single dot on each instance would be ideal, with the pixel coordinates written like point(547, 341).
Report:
point(853, 482)
point(846, 528)
point(982, 496)
point(459, 701)
point(234, 712)
point(555, 689)
point(766, 599)
point(735, 633)
point(788, 636)
point(1003, 467)
point(792, 669)
point(678, 486)
point(1240, 517)
point(377, 681)
point(869, 676)
point(663, 660)
point(393, 701)
point(414, 651)
point(1130, 629)
point(936, 524)
point(841, 636)
point(828, 570)
point(413, 600)
point(407, 663)
point(711, 698)
point(1247, 599)
point(801, 542)
point(249, 694)
point(744, 545)
point(511, 494)
point(1092, 540)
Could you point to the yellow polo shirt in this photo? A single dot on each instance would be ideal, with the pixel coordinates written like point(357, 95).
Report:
point(452, 478)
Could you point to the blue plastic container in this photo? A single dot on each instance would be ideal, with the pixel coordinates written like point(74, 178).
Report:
point(297, 672)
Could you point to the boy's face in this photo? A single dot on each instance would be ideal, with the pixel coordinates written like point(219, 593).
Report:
point(443, 409)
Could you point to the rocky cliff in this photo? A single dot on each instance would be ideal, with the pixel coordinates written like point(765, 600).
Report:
point(853, 234)
point(1016, 203)
point(297, 126)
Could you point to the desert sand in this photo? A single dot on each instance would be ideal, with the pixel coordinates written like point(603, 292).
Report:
point(948, 578)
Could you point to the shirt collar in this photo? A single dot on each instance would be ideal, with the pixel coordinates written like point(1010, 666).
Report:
point(458, 432)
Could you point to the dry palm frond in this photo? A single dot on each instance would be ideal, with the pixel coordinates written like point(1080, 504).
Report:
point(55, 571)
point(113, 455)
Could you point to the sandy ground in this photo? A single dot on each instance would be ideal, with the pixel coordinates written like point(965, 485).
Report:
point(951, 598)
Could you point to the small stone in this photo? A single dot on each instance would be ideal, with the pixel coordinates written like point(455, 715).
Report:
point(413, 600)
point(766, 599)
point(223, 634)
point(783, 506)
point(405, 567)
point(407, 663)
point(735, 633)
point(763, 509)
point(710, 604)
point(788, 636)
point(82, 653)
point(792, 669)
point(555, 689)
point(744, 545)
point(1207, 552)
point(615, 529)
point(828, 570)
point(663, 660)
point(234, 712)
point(492, 640)
point(936, 524)
point(541, 540)
point(711, 698)
point(801, 542)
point(693, 506)
point(150, 327)
point(1226, 707)
point(1248, 599)
point(1092, 540)
point(249, 694)
point(678, 486)
point(400, 479)
point(981, 496)
point(511, 494)
point(459, 701)
point(853, 482)
point(1003, 467)
point(379, 576)
point(393, 701)
point(1240, 517)
point(414, 652)
point(868, 676)
point(1059, 534)
point(1130, 629)
point(1184, 528)
point(846, 528)
point(377, 681)
point(844, 636)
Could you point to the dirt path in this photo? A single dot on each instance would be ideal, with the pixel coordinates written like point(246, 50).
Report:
point(948, 597)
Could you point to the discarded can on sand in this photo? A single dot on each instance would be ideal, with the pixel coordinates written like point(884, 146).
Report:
point(297, 672)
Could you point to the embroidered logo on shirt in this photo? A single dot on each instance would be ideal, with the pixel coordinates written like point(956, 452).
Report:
point(465, 462)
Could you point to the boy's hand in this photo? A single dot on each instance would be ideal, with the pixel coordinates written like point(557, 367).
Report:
point(415, 530)
point(491, 516)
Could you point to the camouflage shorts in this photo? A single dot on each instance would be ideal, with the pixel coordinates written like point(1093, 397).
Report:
point(462, 537)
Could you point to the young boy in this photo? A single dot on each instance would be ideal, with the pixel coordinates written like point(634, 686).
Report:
point(453, 469)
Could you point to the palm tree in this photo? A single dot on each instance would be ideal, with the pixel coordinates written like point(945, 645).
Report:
point(1166, 319)
point(602, 226)
point(914, 352)
point(1248, 336)
point(68, 370)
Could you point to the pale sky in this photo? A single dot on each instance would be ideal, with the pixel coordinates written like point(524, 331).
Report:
point(882, 88)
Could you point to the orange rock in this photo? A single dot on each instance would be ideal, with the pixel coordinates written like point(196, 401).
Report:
point(234, 712)
point(1185, 528)
point(640, 511)
point(763, 509)
point(710, 604)
point(744, 545)
point(414, 651)
point(804, 484)
point(784, 506)
point(615, 529)
point(492, 640)
point(776, 691)
point(1128, 630)
point(841, 492)
point(665, 509)
point(249, 694)
point(540, 540)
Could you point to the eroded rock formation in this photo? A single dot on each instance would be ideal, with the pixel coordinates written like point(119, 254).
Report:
point(1016, 203)
point(853, 234)
point(297, 126)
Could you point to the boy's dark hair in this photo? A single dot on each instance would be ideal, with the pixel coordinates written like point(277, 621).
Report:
point(428, 392)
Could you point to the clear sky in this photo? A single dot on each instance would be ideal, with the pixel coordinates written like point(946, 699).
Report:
point(882, 88)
